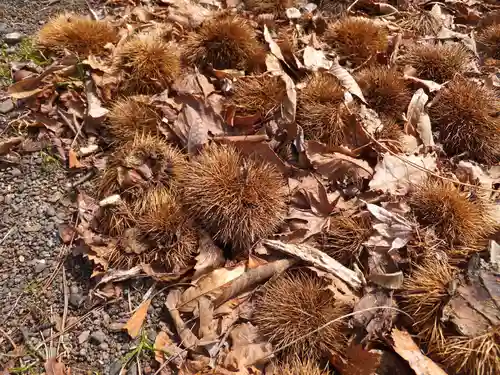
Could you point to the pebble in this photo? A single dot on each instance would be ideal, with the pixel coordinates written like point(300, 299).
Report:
point(13, 38)
point(6, 106)
point(115, 367)
point(33, 228)
point(116, 327)
point(50, 211)
point(84, 336)
point(16, 172)
point(21, 258)
point(40, 266)
point(76, 299)
point(97, 337)
point(104, 346)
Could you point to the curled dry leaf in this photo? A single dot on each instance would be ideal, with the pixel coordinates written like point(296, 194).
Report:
point(209, 258)
point(166, 349)
point(396, 174)
point(209, 285)
point(318, 259)
point(134, 324)
point(347, 80)
point(188, 338)
point(94, 108)
point(315, 59)
point(406, 348)
point(418, 117)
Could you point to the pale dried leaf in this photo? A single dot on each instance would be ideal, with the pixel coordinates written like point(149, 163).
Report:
point(306, 223)
point(347, 80)
point(376, 321)
point(209, 258)
point(273, 46)
point(406, 348)
point(289, 106)
point(418, 117)
point(251, 278)
point(134, 324)
point(315, 59)
point(120, 275)
point(209, 285)
point(112, 200)
point(397, 174)
point(430, 85)
point(94, 108)
point(317, 258)
point(247, 348)
point(471, 173)
point(494, 249)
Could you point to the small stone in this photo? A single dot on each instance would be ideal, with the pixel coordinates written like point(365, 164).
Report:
point(6, 106)
point(13, 38)
point(97, 337)
point(76, 299)
point(40, 266)
point(82, 352)
point(9, 198)
point(21, 258)
point(73, 289)
point(33, 228)
point(50, 211)
point(46, 333)
point(104, 346)
point(115, 367)
point(84, 336)
point(55, 197)
point(116, 327)
point(16, 172)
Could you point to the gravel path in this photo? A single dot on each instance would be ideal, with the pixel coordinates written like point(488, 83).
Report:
point(33, 204)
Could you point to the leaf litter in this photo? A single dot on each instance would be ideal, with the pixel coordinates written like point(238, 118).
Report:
point(236, 197)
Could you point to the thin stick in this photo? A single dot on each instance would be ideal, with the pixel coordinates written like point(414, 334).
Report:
point(8, 338)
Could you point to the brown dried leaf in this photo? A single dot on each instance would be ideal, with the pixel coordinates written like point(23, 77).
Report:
point(31, 85)
point(406, 348)
point(315, 59)
point(397, 174)
point(376, 321)
point(53, 367)
point(94, 108)
point(251, 278)
point(247, 348)
point(165, 348)
point(73, 159)
point(315, 194)
point(134, 324)
point(194, 123)
point(188, 338)
point(209, 258)
point(305, 224)
point(209, 285)
point(317, 258)
point(359, 361)
point(5, 146)
point(334, 165)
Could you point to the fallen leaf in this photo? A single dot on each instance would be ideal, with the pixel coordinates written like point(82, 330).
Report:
point(6, 146)
point(305, 222)
point(406, 348)
point(188, 338)
point(347, 80)
point(335, 165)
point(375, 321)
point(251, 278)
point(387, 280)
point(315, 59)
point(134, 324)
point(119, 275)
point(418, 117)
point(165, 348)
point(194, 123)
point(359, 361)
point(397, 174)
point(430, 85)
point(73, 159)
point(53, 367)
point(209, 285)
point(317, 258)
point(209, 258)
point(289, 105)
